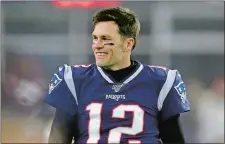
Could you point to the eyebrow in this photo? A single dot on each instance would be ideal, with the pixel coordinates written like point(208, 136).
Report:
point(107, 36)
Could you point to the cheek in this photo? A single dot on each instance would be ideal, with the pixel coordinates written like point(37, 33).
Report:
point(113, 53)
point(116, 53)
point(110, 55)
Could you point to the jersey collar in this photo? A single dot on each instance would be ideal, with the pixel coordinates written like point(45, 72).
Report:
point(127, 80)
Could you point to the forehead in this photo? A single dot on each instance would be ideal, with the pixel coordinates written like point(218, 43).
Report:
point(109, 28)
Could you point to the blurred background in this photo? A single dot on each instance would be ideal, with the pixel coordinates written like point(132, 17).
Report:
point(38, 37)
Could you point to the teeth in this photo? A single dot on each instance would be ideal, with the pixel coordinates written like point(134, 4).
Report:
point(102, 53)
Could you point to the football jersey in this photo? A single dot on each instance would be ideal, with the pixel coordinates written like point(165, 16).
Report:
point(111, 112)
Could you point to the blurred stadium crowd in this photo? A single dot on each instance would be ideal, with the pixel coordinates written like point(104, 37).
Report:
point(38, 37)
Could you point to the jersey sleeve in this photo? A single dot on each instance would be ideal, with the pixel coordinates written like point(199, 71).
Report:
point(173, 96)
point(62, 93)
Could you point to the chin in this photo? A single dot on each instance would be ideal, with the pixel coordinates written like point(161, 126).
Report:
point(102, 64)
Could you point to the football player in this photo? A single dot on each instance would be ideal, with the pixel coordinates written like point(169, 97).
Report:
point(117, 99)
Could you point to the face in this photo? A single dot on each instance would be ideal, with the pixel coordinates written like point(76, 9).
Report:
point(109, 56)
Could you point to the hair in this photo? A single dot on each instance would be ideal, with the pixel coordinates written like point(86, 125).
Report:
point(127, 21)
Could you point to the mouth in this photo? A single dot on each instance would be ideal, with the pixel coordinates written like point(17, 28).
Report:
point(100, 54)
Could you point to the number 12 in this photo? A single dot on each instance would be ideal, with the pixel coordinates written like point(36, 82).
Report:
point(114, 136)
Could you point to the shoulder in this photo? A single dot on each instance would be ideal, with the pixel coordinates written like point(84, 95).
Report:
point(74, 70)
point(83, 70)
point(67, 77)
point(70, 72)
point(162, 73)
point(156, 72)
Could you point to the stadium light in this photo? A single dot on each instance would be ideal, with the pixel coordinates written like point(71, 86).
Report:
point(84, 4)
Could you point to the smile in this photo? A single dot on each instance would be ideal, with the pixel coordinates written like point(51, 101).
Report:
point(101, 53)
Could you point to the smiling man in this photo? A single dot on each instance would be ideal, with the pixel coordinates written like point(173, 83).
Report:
point(112, 50)
point(116, 100)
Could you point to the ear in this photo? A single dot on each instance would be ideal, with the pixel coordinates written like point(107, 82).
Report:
point(130, 43)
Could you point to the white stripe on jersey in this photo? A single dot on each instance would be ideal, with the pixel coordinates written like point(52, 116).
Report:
point(68, 77)
point(171, 76)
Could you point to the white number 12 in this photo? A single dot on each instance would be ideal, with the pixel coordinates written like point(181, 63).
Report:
point(114, 136)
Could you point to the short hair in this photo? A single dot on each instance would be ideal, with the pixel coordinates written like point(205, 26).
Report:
point(127, 21)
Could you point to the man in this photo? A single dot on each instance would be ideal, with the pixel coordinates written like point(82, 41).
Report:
point(116, 100)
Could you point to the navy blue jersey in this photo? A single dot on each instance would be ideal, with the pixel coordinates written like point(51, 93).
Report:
point(125, 112)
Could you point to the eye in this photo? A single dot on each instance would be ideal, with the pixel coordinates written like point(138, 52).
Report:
point(104, 38)
point(94, 38)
